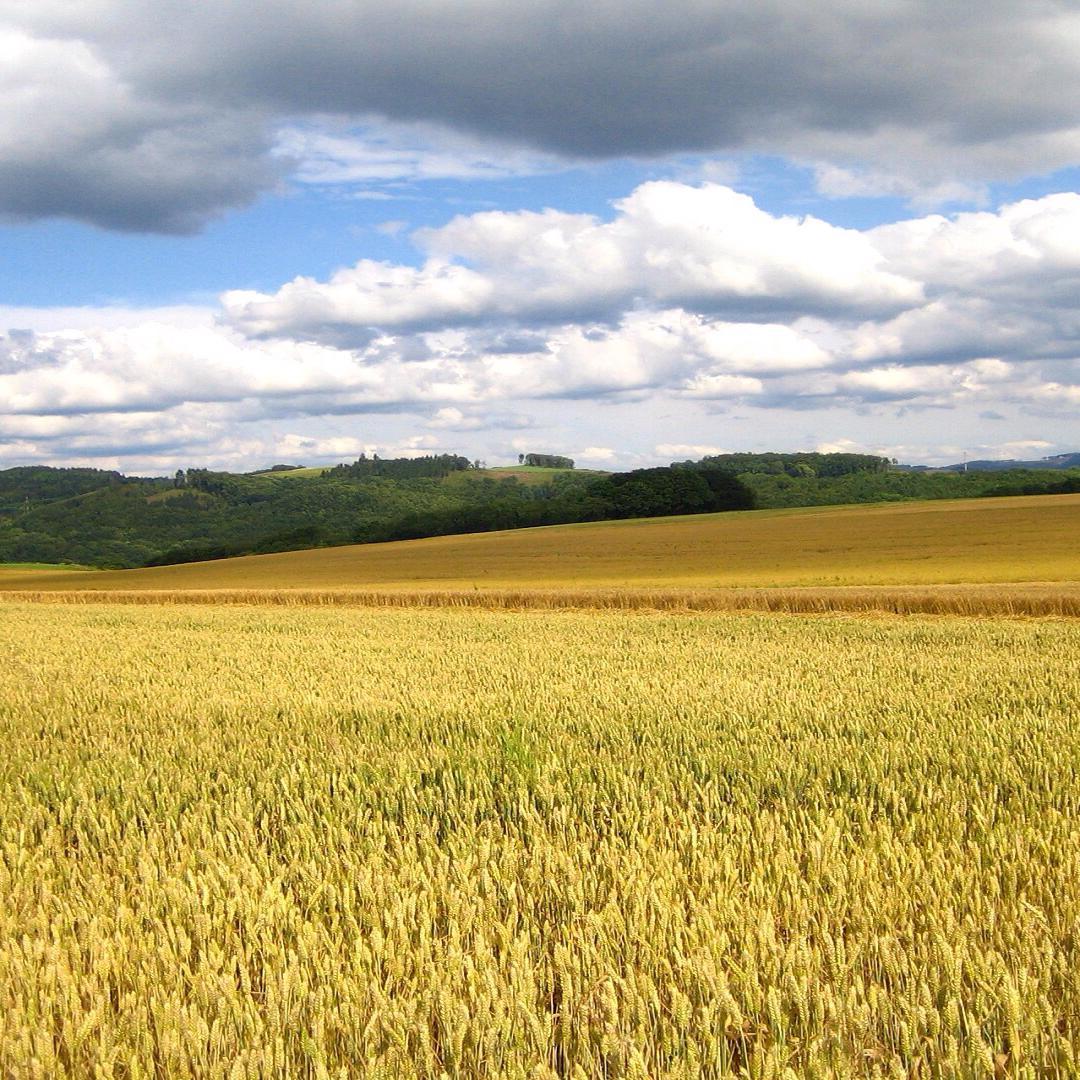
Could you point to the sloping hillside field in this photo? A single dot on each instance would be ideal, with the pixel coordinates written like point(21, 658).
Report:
point(989, 541)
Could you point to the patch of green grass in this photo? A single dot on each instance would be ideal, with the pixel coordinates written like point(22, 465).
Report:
point(530, 470)
point(283, 474)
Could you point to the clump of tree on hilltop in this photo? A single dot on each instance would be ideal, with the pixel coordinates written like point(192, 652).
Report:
point(433, 465)
point(35, 484)
point(546, 461)
point(802, 465)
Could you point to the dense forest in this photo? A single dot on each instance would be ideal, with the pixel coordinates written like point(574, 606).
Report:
point(201, 514)
point(806, 479)
point(866, 487)
point(100, 518)
point(34, 484)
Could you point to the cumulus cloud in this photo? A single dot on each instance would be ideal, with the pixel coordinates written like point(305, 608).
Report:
point(348, 308)
point(451, 418)
point(294, 447)
point(707, 248)
point(598, 455)
point(1028, 249)
point(156, 116)
point(454, 419)
point(691, 295)
point(685, 451)
point(696, 290)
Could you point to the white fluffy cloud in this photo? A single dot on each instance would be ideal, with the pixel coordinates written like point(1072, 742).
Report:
point(698, 291)
point(691, 296)
point(1026, 245)
point(688, 451)
point(291, 447)
point(598, 455)
point(705, 248)
point(451, 418)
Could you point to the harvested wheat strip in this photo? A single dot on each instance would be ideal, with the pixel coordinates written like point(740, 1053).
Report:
point(1039, 599)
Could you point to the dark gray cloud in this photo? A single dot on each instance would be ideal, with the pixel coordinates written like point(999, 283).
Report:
point(160, 183)
point(629, 77)
point(155, 116)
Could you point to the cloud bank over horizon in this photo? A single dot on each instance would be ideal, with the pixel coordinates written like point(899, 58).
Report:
point(609, 231)
point(690, 298)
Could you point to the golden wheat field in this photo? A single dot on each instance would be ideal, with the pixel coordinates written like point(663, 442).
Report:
point(299, 842)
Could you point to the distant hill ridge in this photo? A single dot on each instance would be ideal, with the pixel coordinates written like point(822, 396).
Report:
point(104, 519)
point(1058, 461)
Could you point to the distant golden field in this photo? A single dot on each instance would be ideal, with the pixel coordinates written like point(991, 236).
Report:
point(1031, 539)
point(291, 842)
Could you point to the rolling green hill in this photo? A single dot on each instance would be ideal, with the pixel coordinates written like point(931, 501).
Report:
point(199, 515)
point(103, 519)
point(936, 543)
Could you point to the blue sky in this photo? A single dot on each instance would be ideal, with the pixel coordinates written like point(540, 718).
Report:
point(314, 229)
point(240, 234)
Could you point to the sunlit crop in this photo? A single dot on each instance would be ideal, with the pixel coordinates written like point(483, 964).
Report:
point(331, 842)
